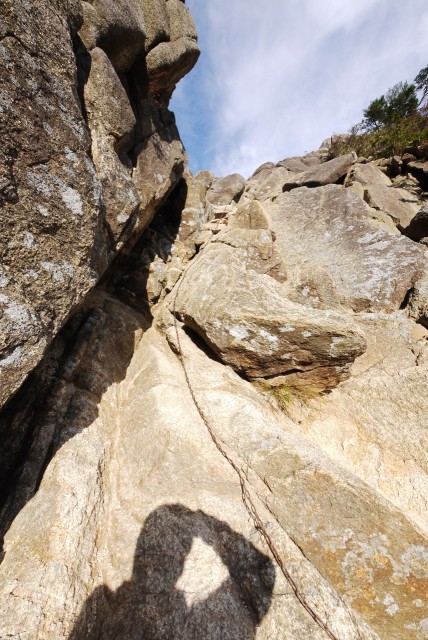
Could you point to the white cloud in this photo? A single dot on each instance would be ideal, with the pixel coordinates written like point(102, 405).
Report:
point(278, 76)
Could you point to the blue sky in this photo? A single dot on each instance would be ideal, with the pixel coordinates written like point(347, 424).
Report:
point(276, 77)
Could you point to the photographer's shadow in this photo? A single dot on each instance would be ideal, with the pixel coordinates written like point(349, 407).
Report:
point(222, 595)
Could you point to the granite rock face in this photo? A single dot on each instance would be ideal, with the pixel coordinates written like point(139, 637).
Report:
point(81, 167)
point(216, 388)
point(326, 173)
point(245, 318)
point(343, 259)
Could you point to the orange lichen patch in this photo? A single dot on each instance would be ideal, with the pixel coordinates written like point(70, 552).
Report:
point(380, 584)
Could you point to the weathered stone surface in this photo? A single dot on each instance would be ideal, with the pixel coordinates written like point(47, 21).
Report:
point(117, 27)
point(225, 190)
point(293, 164)
point(167, 63)
point(104, 511)
point(272, 186)
point(160, 164)
point(417, 229)
point(333, 255)
point(181, 21)
point(245, 319)
point(92, 26)
point(122, 504)
point(249, 216)
point(112, 123)
point(366, 174)
point(158, 27)
point(158, 259)
point(262, 167)
point(418, 301)
point(50, 194)
point(256, 249)
point(360, 423)
point(322, 174)
point(387, 198)
point(399, 204)
point(316, 157)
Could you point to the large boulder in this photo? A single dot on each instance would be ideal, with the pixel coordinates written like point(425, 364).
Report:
point(225, 190)
point(322, 174)
point(397, 203)
point(158, 27)
point(116, 27)
point(334, 255)
point(244, 317)
point(385, 197)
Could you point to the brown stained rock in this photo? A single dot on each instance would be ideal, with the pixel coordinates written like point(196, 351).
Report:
point(167, 63)
point(54, 247)
point(92, 27)
point(117, 27)
point(322, 174)
point(244, 317)
point(112, 123)
point(335, 257)
point(224, 191)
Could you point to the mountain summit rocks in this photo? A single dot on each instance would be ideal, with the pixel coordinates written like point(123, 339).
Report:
point(215, 389)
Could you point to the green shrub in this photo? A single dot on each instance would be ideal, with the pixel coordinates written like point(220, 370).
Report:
point(389, 140)
point(391, 122)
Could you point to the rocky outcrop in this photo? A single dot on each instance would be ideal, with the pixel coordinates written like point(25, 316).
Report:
point(241, 312)
point(322, 174)
point(226, 435)
point(342, 260)
point(81, 167)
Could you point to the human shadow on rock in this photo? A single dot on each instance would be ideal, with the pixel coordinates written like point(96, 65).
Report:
point(162, 602)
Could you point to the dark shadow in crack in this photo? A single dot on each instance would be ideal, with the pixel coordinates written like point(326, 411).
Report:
point(219, 603)
point(61, 396)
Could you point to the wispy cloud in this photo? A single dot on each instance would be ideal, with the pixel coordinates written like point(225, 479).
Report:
point(278, 76)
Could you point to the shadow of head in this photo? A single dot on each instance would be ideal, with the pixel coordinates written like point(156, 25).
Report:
point(193, 577)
